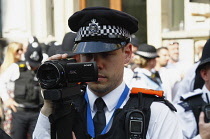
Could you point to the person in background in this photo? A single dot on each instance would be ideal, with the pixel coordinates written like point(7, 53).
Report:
point(13, 54)
point(103, 36)
point(53, 46)
point(144, 77)
point(193, 80)
point(176, 64)
point(135, 44)
point(128, 69)
point(27, 93)
point(190, 108)
point(67, 46)
point(168, 76)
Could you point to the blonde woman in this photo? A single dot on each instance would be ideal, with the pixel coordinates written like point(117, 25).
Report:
point(8, 75)
point(144, 76)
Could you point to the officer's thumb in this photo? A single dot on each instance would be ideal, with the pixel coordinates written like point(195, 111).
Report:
point(201, 118)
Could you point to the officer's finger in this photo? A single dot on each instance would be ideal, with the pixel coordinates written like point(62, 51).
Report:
point(64, 56)
point(201, 118)
point(54, 57)
point(58, 56)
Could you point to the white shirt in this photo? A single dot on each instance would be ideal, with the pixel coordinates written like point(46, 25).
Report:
point(169, 78)
point(141, 80)
point(187, 84)
point(161, 125)
point(7, 79)
point(187, 117)
point(128, 75)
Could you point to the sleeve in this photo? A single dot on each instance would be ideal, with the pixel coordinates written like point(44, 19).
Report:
point(42, 129)
point(164, 123)
point(188, 122)
point(6, 79)
point(187, 84)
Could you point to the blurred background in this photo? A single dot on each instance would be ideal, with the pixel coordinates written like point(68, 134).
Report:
point(187, 21)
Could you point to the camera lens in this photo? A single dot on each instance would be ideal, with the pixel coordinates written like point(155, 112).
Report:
point(50, 75)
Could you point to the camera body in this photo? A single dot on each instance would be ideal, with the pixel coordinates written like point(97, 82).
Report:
point(135, 124)
point(56, 74)
point(206, 110)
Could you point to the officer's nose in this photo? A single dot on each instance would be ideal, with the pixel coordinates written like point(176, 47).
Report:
point(98, 59)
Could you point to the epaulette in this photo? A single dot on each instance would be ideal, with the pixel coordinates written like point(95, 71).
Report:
point(186, 98)
point(191, 94)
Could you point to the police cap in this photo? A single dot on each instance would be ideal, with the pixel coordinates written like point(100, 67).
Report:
point(101, 29)
point(205, 58)
point(147, 51)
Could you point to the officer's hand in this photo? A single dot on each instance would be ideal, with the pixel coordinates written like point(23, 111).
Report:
point(204, 128)
point(58, 56)
point(48, 107)
point(11, 103)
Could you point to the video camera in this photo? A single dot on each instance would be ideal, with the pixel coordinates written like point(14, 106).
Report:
point(57, 74)
point(58, 77)
point(206, 110)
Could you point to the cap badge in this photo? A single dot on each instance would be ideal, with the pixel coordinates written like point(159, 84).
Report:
point(34, 56)
point(94, 27)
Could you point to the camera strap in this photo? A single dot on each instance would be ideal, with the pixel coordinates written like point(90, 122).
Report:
point(62, 121)
point(62, 118)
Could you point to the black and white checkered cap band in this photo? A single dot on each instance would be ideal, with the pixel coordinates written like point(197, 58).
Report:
point(146, 54)
point(110, 31)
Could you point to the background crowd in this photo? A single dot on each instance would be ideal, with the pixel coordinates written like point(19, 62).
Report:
point(150, 67)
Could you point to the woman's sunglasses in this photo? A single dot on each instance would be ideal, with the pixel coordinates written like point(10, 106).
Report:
point(19, 50)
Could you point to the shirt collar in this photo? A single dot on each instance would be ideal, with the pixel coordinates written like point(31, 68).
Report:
point(205, 91)
point(111, 99)
point(146, 72)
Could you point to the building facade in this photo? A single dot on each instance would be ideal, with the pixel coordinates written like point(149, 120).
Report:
point(187, 21)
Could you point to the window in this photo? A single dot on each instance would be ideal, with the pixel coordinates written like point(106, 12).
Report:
point(137, 8)
point(91, 3)
point(172, 15)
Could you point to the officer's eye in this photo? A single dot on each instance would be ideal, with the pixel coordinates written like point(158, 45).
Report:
point(87, 56)
point(106, 54)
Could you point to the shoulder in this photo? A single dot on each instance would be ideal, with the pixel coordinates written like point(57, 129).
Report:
point(183, 105)
point(162, 119)
point(13, 66)
point(191, 94)
point(11, 69)
point(159, 107)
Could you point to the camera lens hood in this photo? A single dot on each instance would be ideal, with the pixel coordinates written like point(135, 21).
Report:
point(50, 74)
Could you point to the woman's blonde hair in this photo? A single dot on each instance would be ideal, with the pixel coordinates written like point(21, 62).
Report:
point(9, 56)
point(141, 61)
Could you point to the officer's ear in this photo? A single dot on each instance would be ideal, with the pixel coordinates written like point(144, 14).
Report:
point(127, 52)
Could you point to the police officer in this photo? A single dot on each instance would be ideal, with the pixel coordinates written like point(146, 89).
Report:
point(144, 75)
point(67, 45)
point(193, 80)
point(27, 94)
point(190, 108)
point(103, 36)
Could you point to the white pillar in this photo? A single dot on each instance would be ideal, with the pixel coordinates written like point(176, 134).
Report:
point(39, 18)
point(154, 22)
point(62, 11)
point(59, 19)
point(15, 25)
